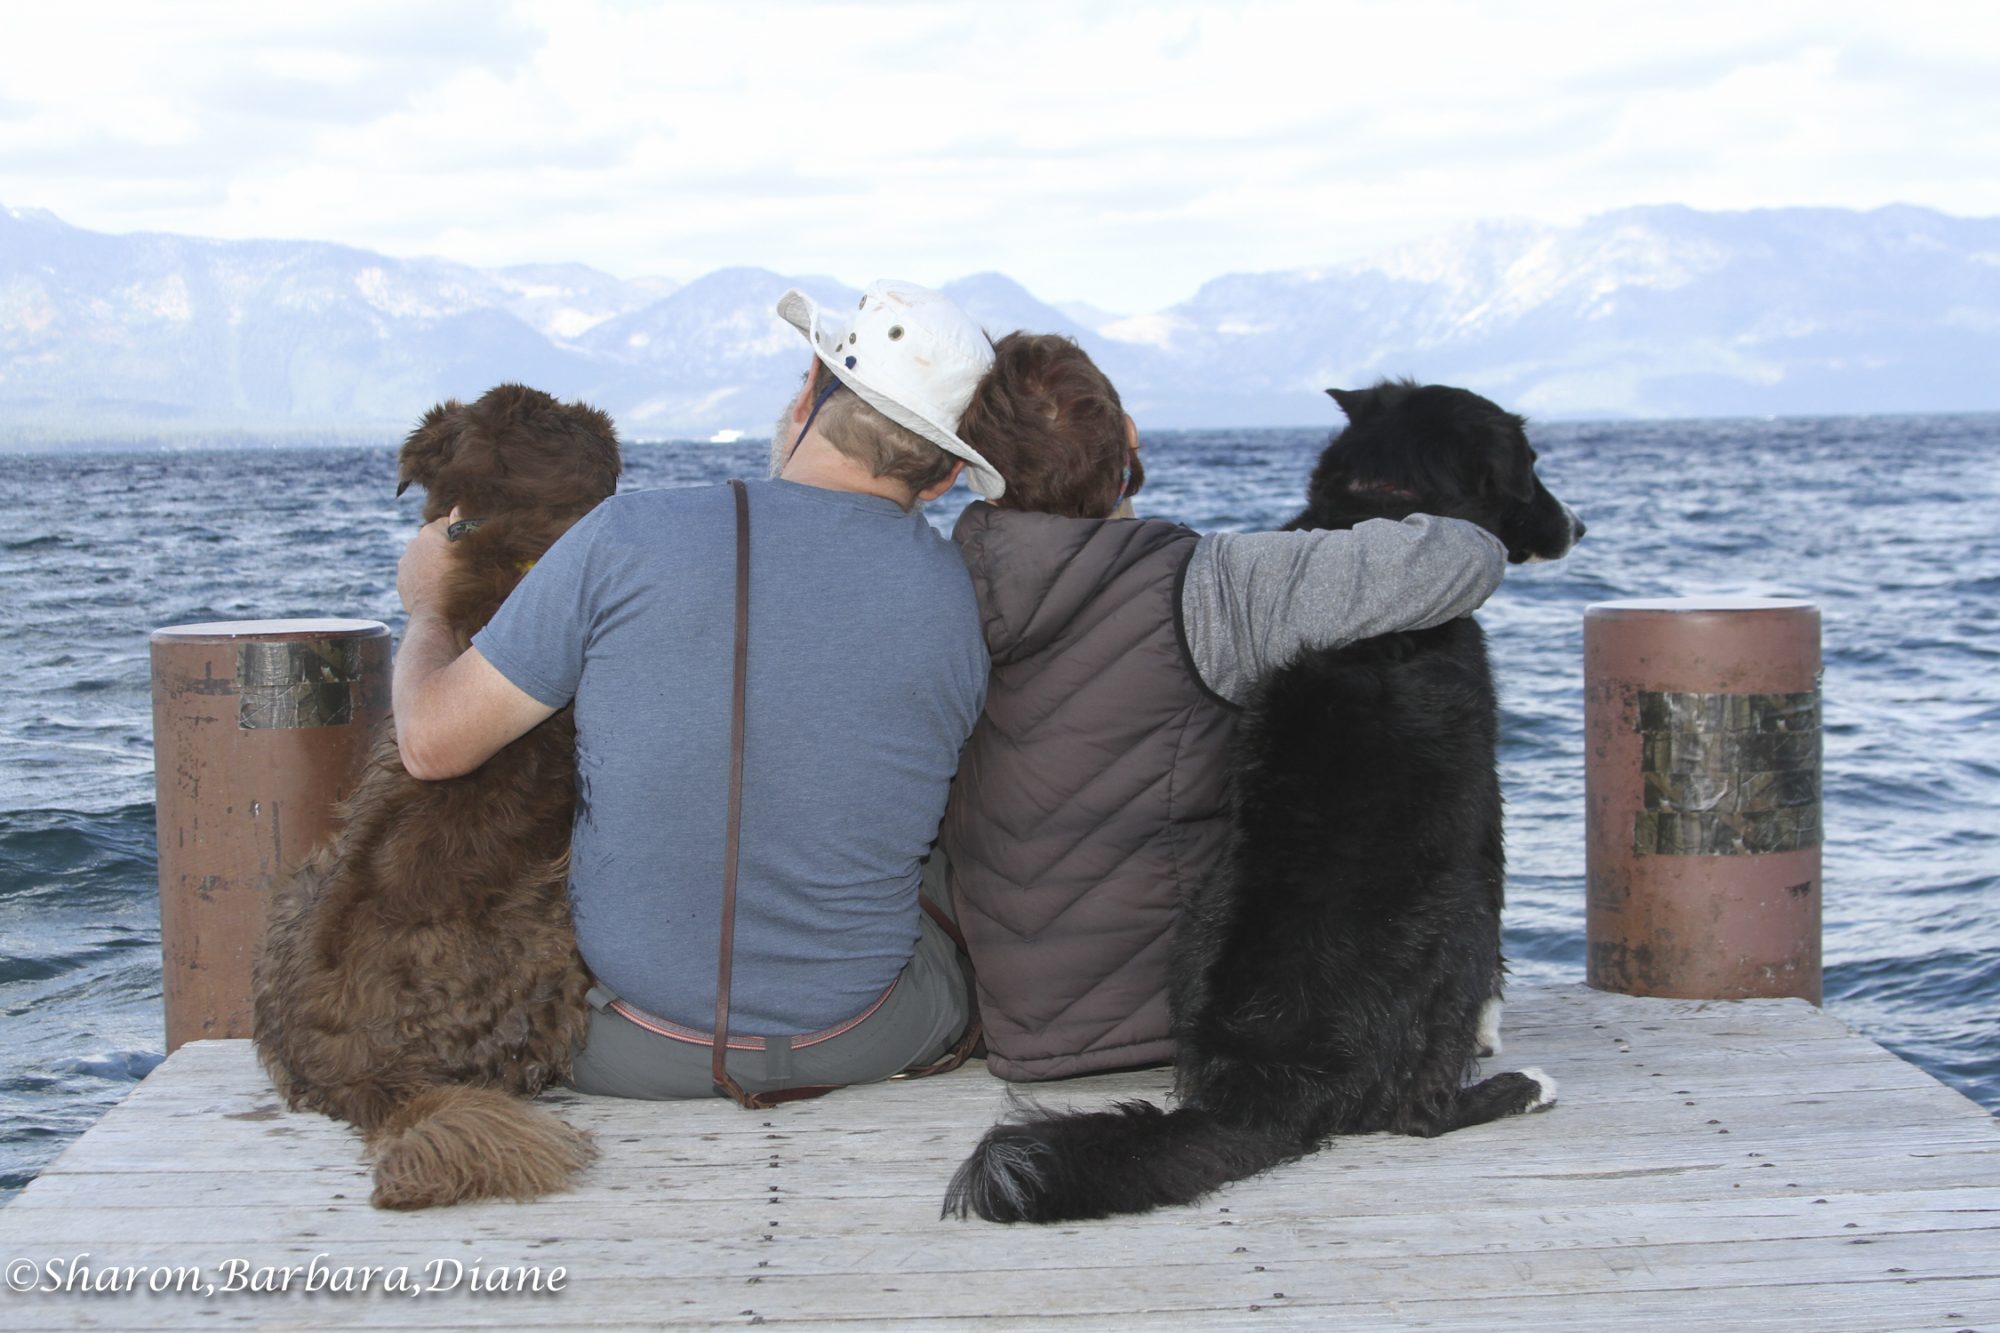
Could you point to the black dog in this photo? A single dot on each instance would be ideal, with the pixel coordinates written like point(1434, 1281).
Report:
point(1335, 974)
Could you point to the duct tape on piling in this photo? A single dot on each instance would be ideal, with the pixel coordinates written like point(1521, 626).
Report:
point(308, 683)
point(1728, 774)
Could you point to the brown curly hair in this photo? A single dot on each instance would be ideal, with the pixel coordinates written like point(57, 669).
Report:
point(1050, 423)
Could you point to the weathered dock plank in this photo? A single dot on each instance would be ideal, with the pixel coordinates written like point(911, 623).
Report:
point(1755, 1165)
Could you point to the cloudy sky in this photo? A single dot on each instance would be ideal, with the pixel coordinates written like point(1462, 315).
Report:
point(1116, 153)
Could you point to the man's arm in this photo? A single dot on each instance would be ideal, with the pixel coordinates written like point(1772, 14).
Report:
point(453, 710)
point(1252, 601)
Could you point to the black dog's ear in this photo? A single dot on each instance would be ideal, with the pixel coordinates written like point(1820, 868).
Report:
point(1359, 404)
point(429, 447)
point(1515, 477)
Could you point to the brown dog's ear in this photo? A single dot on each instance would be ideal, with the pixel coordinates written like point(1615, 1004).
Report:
point(595, 447)
point(429, 447)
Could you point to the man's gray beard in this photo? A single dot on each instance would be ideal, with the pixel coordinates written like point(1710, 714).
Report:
point(782, 438)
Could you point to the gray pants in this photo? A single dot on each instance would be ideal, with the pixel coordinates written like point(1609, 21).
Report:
point(917, 1024)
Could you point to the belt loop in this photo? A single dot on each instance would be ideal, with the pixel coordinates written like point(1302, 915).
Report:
point(778, 1061)
point(601, 997)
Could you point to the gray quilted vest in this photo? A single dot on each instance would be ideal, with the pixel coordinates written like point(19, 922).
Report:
point(1091, 794)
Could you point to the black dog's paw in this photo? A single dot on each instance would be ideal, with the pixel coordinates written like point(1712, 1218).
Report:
point(1488, 1035)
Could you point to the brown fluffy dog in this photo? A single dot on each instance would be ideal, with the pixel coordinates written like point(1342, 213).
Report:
point(419, 976)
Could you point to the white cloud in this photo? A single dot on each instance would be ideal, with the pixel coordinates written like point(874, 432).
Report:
point(1118, 154)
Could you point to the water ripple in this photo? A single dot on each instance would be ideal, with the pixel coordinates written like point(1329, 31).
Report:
point(1901, 561)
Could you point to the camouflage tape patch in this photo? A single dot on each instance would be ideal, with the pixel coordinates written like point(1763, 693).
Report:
point(304, 683)
point(1728, 774)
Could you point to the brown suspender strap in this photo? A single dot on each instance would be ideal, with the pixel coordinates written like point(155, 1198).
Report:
point(733, 838)
point(732, 845)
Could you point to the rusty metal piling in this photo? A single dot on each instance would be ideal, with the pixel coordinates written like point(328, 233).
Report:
point(1702, 796)
point(259, 727)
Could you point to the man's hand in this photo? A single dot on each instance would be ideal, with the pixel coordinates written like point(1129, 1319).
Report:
point(422, 567)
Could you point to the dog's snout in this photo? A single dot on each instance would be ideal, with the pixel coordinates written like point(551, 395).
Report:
point(1576, 526)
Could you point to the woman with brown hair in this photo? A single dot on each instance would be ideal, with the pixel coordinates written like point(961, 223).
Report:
point(1092, 792)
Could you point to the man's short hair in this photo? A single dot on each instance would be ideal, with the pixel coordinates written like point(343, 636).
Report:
point(877, 443)
point(1050, 423)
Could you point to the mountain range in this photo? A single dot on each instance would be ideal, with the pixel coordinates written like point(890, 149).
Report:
point(1659, 311)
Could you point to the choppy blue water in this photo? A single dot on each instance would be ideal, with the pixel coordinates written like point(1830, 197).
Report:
point(1892, 525)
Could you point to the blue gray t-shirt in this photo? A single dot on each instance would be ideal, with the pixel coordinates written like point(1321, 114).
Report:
point(867, 672)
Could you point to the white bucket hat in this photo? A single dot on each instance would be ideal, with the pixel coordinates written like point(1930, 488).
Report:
point(911, 355)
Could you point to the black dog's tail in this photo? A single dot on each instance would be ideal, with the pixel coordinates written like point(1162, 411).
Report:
point(1133, 1158)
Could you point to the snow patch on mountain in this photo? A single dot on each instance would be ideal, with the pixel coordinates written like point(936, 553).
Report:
point(1154, 330)
point(1656, 311)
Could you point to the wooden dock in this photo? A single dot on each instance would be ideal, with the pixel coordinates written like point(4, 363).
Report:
point(1734, 1166)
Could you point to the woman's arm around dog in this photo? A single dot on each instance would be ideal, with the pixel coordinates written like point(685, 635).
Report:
point(1253, 601)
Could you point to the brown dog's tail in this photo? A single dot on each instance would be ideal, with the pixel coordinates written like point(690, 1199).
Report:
point(455, 1143)
point(1133, 1158)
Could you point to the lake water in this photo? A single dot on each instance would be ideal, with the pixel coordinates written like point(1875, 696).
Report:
point(1890, 525)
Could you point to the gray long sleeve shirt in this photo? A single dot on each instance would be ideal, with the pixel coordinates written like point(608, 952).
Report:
point(1252, 601)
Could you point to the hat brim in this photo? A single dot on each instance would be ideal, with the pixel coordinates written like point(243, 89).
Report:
point(803, 314)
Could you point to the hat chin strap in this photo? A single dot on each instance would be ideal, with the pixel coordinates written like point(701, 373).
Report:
point(832, 388)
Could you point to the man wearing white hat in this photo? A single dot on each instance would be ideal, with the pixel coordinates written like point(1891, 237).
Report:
point(852, 725)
